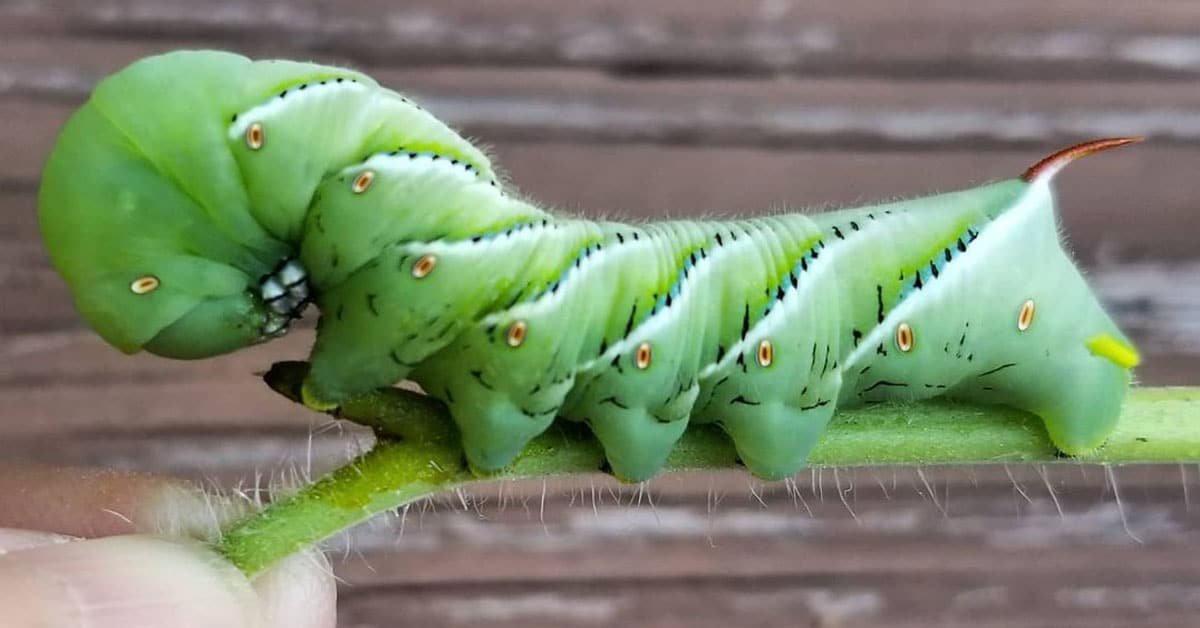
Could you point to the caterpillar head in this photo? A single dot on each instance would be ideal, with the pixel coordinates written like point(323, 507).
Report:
point(143, 213)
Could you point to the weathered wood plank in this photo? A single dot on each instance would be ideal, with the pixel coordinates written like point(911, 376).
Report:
point(1018, 38)
point(1085, 600)
point(825, 102)
point(582, 105)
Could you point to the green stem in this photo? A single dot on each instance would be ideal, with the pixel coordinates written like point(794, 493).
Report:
point(418, 454)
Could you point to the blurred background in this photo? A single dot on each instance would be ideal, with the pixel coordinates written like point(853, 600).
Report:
point(653, 109)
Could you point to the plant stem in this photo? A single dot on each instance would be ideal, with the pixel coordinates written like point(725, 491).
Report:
point(418, 454)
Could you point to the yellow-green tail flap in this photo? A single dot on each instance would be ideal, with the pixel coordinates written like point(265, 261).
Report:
point(1114, 350)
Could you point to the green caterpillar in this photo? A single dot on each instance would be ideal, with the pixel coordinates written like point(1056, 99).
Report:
point(198, 201)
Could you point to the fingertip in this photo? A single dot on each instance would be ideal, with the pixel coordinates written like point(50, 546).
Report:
point(299, 592)
point(14, 540)
point(123, 581)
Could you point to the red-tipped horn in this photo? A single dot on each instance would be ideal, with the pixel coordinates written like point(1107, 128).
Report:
point(1047, 167)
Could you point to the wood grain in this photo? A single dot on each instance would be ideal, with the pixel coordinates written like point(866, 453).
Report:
point(649, 110)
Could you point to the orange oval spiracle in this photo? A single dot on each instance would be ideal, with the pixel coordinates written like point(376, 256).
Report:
point(904, 337)
point(1025, 317)
point(362, 181)
point(641, 359)
point(144, 285)
point(516, 334)
point(424, 266)
point(766, 353)
point(255, 136)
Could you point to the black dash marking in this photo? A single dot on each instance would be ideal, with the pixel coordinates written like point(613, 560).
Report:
point(883, 382)
point(857, 336)
point(838, 232)
point(933, 269)
point(479, 376)
point(865, 369)
point(818, 404)
point(880, 350)
point(629, 323)
point(616, 362)
point(719, 241)
point(371, 304)
point(720, 352)
point(854, 225)
point(620, 238)
point(449, 396)
point(879, 302)
point(613, 400)
point(744, 401)
point(946, 253)
point(997, 369)
point(746, 321)
point(962, 247)
point(603, 345)
point(1142, 439)
point(813, 363)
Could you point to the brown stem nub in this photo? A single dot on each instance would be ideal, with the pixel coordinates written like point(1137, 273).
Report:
point(1049, 166)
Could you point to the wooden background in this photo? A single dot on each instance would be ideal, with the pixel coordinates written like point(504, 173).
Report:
point(636, 108)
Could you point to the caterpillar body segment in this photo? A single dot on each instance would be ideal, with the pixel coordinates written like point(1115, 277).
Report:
point(228, 203)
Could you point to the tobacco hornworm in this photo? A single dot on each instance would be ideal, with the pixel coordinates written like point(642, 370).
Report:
point(198, 201)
